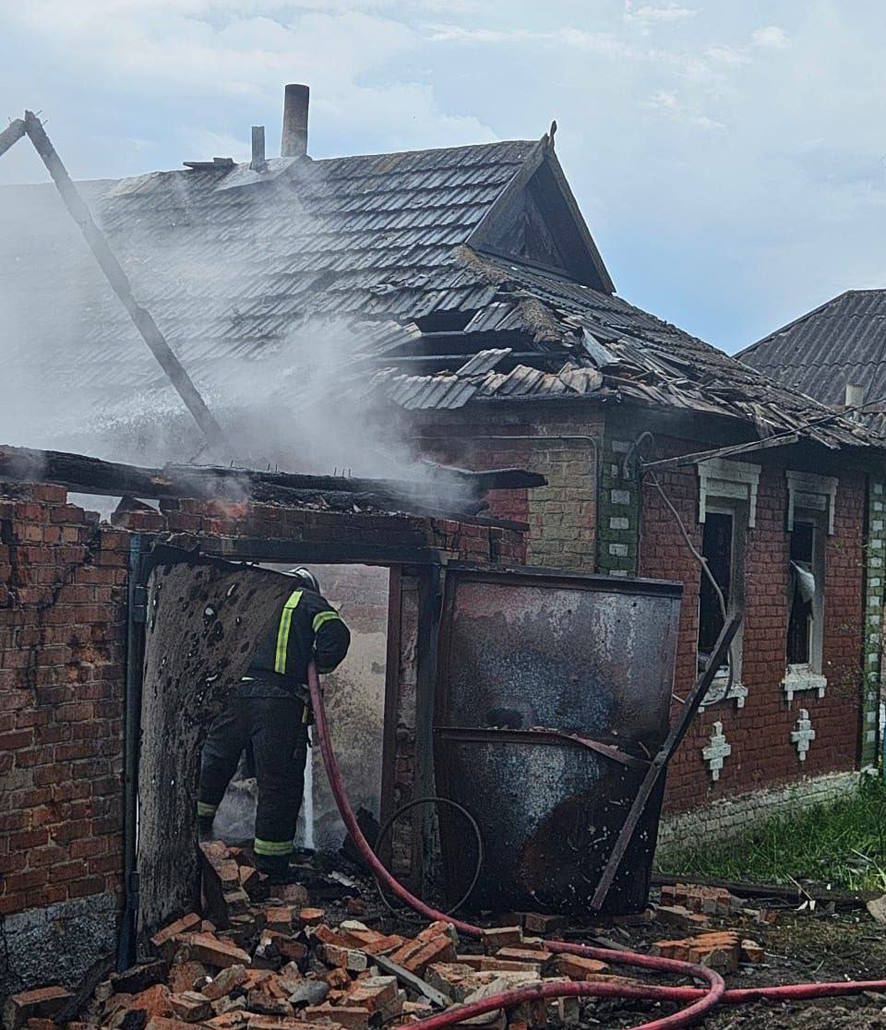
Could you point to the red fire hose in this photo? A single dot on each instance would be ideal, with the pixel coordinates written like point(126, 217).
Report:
point(701, 1000)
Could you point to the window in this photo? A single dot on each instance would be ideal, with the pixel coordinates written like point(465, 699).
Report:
point(802, 594)
point(727, 506)
point(723, 540)
point(717, 552)
point(806, 603)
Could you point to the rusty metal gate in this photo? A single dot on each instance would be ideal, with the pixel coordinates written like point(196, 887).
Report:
point(553, 695)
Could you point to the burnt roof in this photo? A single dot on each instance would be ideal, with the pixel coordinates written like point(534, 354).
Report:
point(842, 341)
point(230, 262)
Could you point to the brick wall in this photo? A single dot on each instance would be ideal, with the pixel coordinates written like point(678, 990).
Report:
point(759, 734)
point(63, 588)
point(62, 634)
point(562, 516)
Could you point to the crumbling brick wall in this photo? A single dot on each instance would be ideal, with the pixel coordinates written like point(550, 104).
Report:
point(763, 753)
point(62, 640)
point(562, 516)
point(63, 619)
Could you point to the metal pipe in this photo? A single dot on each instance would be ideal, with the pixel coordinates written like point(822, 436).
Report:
point(135, 620)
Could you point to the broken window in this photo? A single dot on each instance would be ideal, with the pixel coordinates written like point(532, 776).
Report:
point(806, 603)
point(723, 539)
point(717, 552)
point(802, 594)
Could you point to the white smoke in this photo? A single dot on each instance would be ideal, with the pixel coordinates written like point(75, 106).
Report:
point(77, 376)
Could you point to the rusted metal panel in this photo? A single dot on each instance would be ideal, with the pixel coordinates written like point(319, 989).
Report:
point(591, 656)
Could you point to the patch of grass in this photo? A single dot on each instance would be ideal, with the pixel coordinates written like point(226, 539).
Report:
point(842, 843)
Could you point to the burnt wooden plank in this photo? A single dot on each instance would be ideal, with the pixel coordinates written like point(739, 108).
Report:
point(119, 282)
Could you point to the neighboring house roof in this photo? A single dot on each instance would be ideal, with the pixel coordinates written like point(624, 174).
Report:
point(843, 341)
point(468, 249)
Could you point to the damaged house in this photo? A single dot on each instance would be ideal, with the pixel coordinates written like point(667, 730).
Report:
point(481, 322)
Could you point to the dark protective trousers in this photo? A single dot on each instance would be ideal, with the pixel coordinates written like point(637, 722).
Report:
point(270, 720)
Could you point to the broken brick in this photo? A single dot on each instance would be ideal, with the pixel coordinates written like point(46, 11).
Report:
point(345, 958)
point(213, 950)
point(351, 1018)
point(496, 937)
point(373, 993)
point(751, 951)
point(679, 916)
point(542, 923)
point(138, 978)
point(311, 916)
point(577, 967)
point(279, 918)
point(36, 1004)
point(165, 938)
point(534, 956)
point(184, 975)
point(190, 1006)
point(263, 1001)
point(154, 1001)
point(226, 981)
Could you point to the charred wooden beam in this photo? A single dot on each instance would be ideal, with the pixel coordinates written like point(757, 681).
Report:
point(11, 134)
point(96, 476)
point(119, 281)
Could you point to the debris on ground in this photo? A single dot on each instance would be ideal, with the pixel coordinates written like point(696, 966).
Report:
point(263, 956)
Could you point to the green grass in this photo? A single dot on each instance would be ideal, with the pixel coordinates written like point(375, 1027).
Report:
point(842, 844)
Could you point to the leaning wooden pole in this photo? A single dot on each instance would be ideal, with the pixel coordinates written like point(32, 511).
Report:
point(120, 281)
point(11, 134)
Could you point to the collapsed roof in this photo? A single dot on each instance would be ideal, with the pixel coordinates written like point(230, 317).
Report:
point(460, 275)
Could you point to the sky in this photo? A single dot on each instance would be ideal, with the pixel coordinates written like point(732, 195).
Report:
point(729, 157)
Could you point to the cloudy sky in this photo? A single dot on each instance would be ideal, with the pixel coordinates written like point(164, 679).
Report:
point(730, 157)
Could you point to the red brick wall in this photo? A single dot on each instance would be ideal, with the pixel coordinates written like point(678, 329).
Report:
point(762, 751)
point(63, 584)
point(62, 635)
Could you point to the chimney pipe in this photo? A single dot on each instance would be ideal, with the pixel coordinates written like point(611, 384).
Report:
point(257, 164)
point(854, 395)
point(294, 142)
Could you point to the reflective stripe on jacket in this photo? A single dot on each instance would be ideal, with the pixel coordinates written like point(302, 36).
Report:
point(308, 626)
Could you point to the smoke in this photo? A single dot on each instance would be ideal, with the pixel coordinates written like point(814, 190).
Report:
point(77, 376)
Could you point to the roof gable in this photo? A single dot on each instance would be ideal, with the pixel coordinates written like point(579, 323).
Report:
point(536, 220)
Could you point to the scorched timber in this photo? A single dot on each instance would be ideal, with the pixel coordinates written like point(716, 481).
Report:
point(462, 493)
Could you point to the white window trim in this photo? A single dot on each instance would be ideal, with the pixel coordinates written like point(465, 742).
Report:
point(800, 677)
point(735, 480)
point(813, 493)
point(738, 692)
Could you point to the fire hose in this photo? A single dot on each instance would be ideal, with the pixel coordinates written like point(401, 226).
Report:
point(700, 1000)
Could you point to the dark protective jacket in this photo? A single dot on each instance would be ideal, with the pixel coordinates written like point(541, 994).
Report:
point(308, 627)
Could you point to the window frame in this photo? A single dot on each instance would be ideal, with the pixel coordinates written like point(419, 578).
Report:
point(739, 510)
point(801, 676)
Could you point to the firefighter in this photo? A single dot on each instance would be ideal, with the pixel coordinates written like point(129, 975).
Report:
point(270, 713)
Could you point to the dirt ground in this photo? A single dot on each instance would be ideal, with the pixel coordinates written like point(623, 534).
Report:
point(799, 947)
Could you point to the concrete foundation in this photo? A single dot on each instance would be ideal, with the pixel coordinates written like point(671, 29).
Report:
point(56, 944)
point(730, 816)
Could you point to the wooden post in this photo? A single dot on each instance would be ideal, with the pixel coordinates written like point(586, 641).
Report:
point(11, 134)
point(120, 281)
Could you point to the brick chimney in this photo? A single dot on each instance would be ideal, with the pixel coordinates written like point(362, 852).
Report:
point(294, 142)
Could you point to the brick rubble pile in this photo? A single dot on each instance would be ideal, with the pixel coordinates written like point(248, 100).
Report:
point(257, 962)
